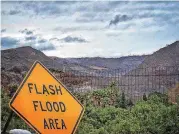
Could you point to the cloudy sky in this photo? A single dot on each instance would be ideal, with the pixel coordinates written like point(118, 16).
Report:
point(88, 29)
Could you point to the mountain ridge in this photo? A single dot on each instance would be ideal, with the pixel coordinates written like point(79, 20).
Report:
point(16, 62)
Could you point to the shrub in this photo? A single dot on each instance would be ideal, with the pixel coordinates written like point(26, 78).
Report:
point(144, 97)
point(158, 97)
point(146, 117)
point(16, 122)
point(15, 69)
point(153, 116)
point(12, 89)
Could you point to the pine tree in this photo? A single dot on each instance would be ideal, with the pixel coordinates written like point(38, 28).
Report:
point(123, 101)
point(130, 103)
point(144, 97)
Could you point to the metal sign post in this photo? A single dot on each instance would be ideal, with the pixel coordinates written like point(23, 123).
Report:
point(7, 123)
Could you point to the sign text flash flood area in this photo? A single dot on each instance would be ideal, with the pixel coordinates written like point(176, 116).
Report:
point(49, 106)
point(45, 104)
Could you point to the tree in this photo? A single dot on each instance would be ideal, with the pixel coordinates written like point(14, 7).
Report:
point(144, 97)
point(130, 103)
point(121, 101)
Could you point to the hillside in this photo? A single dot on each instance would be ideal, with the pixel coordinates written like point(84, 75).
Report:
point(143, 72)
point(16, 62)
point(158, 72)
point(23, 58)
point(166, 56)
point(99, 63)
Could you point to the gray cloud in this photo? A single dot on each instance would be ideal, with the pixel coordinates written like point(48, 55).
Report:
point(3, 12)
point(14, 12)
point(29, 32)
point(71, 39)
point(40, 8)
point(11, 12)
point(42, 41)
point(26, 31)
point(30, 38)
point(8, 42)
point(41, 45)
point(91, 18)
point(93, 11)
point(45, 46)
point(36, 41)
point(56, 39)
point(3, 30)
point(119, 18)
point(78, 28)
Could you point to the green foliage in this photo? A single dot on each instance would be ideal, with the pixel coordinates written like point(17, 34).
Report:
point(16, 122)
point(152, 116)
point(130, 103)
point(159, 97)
point(108, 111)
point(156, 116)
point(122, 101)
point(4, 106)
point(177, 99)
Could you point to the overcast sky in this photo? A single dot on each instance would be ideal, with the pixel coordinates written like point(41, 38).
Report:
point(88, 29)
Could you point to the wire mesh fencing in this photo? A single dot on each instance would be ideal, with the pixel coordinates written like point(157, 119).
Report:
point(134, 83)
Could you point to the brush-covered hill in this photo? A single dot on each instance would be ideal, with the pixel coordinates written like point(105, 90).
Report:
point(159, 72)
point(16, 62)
point(23, 58)
point(166, 56)
point(100, 63)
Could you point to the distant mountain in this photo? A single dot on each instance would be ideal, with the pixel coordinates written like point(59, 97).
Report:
point(69, 65)
point(99, 63)
point(16, 62)
point(23, 58)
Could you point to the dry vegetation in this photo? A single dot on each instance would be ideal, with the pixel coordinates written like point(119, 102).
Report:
point(173, 94)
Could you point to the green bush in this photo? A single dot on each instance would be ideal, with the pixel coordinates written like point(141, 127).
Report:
point(16, 122)
point(152, 116)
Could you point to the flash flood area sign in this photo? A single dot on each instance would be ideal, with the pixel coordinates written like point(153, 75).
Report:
point(45, 104)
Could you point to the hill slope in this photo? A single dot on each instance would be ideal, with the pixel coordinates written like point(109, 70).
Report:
point(16, 62)
point(99, 63)
point(167, 56)
point(23, 58)
point(158, 72)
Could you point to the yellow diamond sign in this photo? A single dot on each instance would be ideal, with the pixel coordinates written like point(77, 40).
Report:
point(45, 104)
